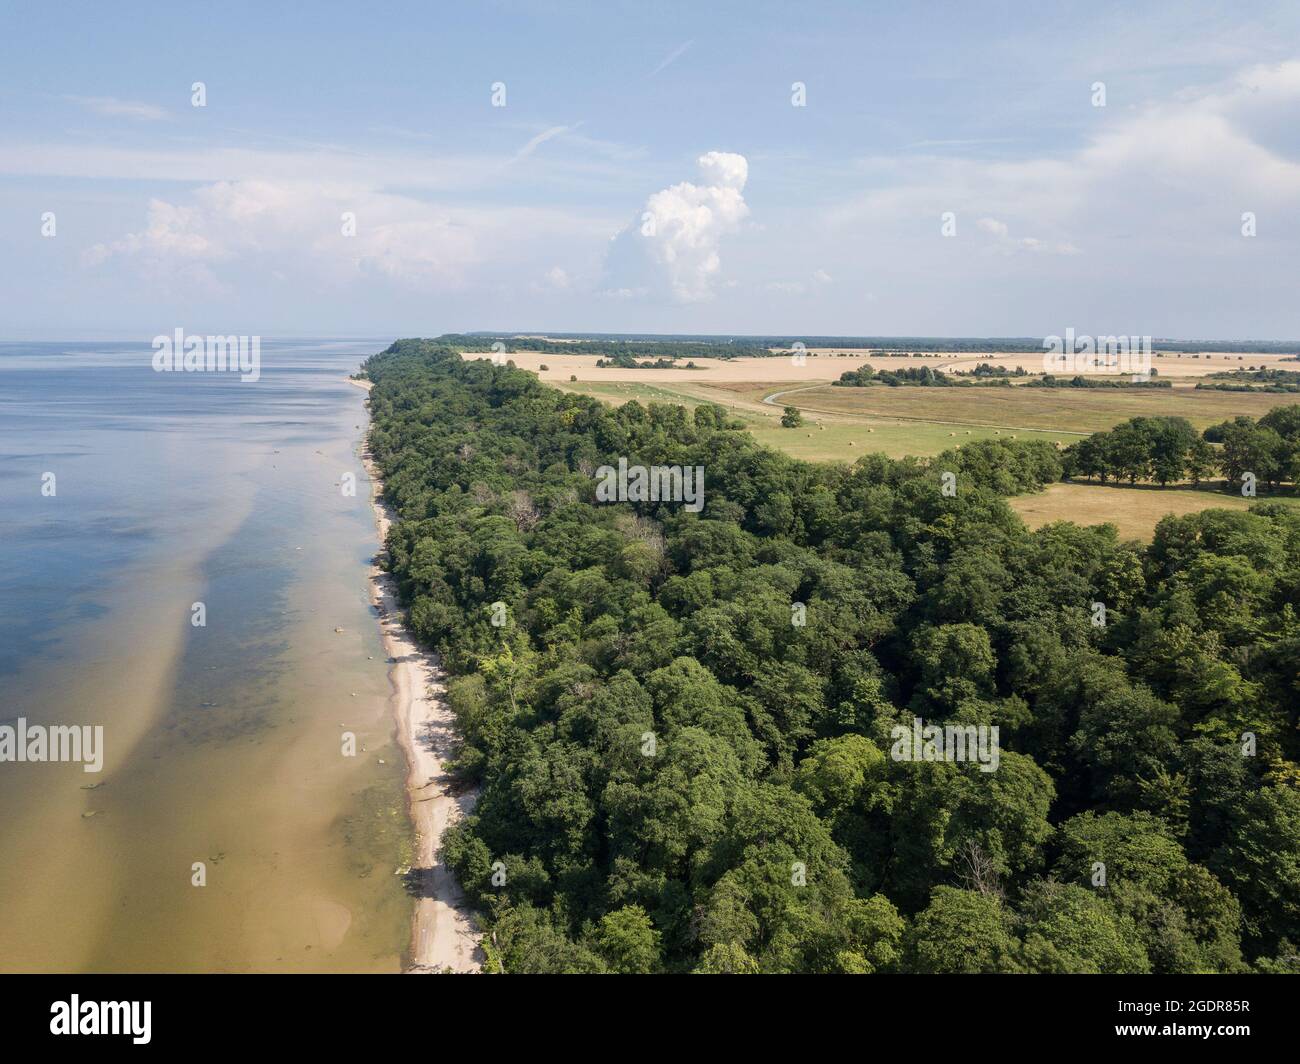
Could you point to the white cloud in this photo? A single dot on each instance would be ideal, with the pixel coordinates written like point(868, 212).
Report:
point(288, 159)
point(296, 228)
point(1005, 244)
point(672, 57)
point(798, 288)
point(1137, 227)
point(725, 169)
point(1165, 181)
point(672, 249)
point(541, 139)
point(556, 279)
point(111, 107)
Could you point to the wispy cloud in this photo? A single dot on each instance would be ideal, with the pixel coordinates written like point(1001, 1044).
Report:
point(961, 142)
point(407, 170)
point(112, 107)
point(541, 138)
point(673, 56)
point(248, 136)
point(1006, 244)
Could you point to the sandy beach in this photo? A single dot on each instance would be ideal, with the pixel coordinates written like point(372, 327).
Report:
point(443, 935)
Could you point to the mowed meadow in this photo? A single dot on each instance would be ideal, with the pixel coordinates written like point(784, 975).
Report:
point(1134, 511)
point(844, 423)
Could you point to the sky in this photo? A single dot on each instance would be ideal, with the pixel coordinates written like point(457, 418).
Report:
point(864, 168)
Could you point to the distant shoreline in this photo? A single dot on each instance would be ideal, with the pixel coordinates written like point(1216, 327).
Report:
point(443, 932)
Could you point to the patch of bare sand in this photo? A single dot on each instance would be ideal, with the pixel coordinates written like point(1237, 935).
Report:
point(443, 935)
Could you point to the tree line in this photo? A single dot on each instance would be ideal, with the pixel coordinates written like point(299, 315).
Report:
point(1048, 380)
point(867, 375)
point(1253, 380)
point(1169, 449)
point(621, 352)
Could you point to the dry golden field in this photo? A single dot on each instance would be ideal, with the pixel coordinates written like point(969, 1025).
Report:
point(1134, 511)
point(826, 365)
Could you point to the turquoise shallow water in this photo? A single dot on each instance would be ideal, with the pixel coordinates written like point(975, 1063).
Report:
point(222, 742)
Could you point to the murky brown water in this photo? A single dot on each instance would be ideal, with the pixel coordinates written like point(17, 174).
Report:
point(222, 743)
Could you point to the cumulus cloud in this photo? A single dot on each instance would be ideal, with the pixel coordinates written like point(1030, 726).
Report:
point(673, 248)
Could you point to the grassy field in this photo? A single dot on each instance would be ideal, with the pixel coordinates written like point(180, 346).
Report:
point(822, 438)
point(1134, 511)
point(841, 424)
point(833, 440)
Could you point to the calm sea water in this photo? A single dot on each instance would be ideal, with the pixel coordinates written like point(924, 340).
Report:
point(222, 743)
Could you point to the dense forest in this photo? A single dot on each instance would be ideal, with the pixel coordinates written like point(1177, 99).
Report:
point(682, 724)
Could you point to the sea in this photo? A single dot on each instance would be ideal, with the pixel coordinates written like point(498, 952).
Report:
point(184, 563)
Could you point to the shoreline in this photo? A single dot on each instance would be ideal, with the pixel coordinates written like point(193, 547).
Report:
point(444, 936)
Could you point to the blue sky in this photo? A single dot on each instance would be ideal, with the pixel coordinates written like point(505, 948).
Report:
point(648, 171)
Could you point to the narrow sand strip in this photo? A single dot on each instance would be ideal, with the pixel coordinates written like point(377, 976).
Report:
point(443, 935)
